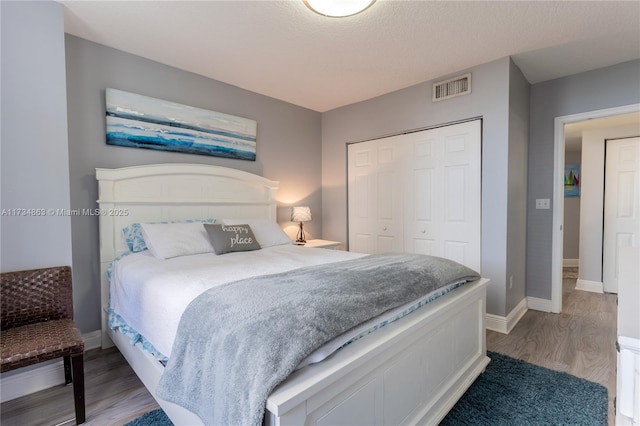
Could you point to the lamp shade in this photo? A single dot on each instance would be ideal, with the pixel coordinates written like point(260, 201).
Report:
point(300, 214)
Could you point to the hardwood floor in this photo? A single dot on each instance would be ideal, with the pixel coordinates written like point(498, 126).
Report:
point(579, 341)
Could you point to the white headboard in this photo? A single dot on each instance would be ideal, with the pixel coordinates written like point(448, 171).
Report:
point(165, 192)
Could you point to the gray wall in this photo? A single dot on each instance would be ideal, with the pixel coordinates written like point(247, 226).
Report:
point(517, 187)
point(571, 224)
point(34, 156)
point(590, 91)
point(288, 145)
point(412, 108)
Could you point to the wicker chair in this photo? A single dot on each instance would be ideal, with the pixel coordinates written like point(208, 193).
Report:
point(37, 325)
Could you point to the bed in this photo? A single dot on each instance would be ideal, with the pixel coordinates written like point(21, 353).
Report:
point(411, 371)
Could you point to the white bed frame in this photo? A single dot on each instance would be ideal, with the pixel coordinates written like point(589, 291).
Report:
point(411, 371)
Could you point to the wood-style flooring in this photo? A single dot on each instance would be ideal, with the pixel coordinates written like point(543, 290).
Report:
point(579, 341)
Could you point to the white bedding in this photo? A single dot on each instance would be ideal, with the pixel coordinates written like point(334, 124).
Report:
point(149, 295)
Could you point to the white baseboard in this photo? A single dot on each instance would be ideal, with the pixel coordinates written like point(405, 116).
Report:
point(24, 381)
point(537, 304)
point(571, 263)
point(592, 286)
point(92, 340)
point(505, 324)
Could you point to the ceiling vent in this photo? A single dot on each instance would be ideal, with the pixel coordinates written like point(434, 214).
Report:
point(451, 88)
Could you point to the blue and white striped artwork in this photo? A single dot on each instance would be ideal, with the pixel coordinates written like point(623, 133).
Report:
point(143, 122)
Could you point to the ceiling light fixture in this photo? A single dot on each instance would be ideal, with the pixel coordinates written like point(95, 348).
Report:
point(338, 8)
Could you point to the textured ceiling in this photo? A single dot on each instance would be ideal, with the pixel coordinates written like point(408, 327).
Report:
point(283, 50)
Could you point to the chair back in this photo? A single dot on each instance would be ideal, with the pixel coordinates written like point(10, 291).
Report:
point(36, 295)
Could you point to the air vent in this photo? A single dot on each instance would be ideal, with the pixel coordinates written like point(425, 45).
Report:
point(451, 88)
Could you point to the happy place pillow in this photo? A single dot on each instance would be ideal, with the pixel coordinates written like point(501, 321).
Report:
point(267, 232)
point(230, 238)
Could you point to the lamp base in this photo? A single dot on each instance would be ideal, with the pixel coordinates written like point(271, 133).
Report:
point(300, 238)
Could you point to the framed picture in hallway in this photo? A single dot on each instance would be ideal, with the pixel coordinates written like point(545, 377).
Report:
point(572, 180)
point(143, 122)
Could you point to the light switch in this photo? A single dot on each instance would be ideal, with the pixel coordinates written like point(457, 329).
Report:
point(543, 203)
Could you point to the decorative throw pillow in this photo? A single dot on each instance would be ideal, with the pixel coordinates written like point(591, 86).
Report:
point(229, 238)
point(267, 232)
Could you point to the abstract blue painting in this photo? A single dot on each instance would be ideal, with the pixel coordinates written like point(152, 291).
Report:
point(143, 122)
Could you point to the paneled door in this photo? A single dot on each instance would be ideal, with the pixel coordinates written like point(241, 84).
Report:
point(621, 205)
point(443, 196)
point(376, 190)
point(418, 192)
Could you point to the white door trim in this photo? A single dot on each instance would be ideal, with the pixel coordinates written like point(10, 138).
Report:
point(558, 193)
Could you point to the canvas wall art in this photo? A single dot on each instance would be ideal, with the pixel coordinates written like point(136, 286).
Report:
point(572, 180)
point(144, 122)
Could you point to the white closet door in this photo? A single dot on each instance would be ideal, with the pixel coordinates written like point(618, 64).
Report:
point(418, 193)
point(423, 215)
point(621, 205)
point(376, 191)
point(443, 197)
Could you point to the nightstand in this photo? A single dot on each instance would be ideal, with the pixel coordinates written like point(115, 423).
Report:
point(332, 245)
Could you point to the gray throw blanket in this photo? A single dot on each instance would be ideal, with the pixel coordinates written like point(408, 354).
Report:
point(237, 342)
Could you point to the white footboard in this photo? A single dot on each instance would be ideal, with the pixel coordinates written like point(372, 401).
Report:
point(410, 372)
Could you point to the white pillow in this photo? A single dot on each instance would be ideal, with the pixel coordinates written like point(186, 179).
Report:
point(167, 240)
point(267, 232)
point(132, 234)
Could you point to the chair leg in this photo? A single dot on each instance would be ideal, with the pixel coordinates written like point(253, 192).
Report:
point(78, 387)
point(67, 370)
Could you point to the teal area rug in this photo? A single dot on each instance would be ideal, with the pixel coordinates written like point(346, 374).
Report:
point(509, 393)
point(513, 392)
point(152, 418)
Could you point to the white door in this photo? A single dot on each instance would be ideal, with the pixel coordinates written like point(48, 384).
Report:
point(443, 198)
point(375, 195)
point(621, 205)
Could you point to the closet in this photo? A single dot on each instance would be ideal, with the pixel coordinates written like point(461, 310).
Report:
point(418, 192)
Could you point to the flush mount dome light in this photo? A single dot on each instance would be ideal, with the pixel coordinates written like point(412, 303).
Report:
point(338, 8)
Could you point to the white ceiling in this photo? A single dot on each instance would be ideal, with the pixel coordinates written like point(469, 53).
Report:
point(573, 131)
point(283, 50)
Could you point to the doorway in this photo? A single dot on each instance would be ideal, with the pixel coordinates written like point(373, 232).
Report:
point(558, 192)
